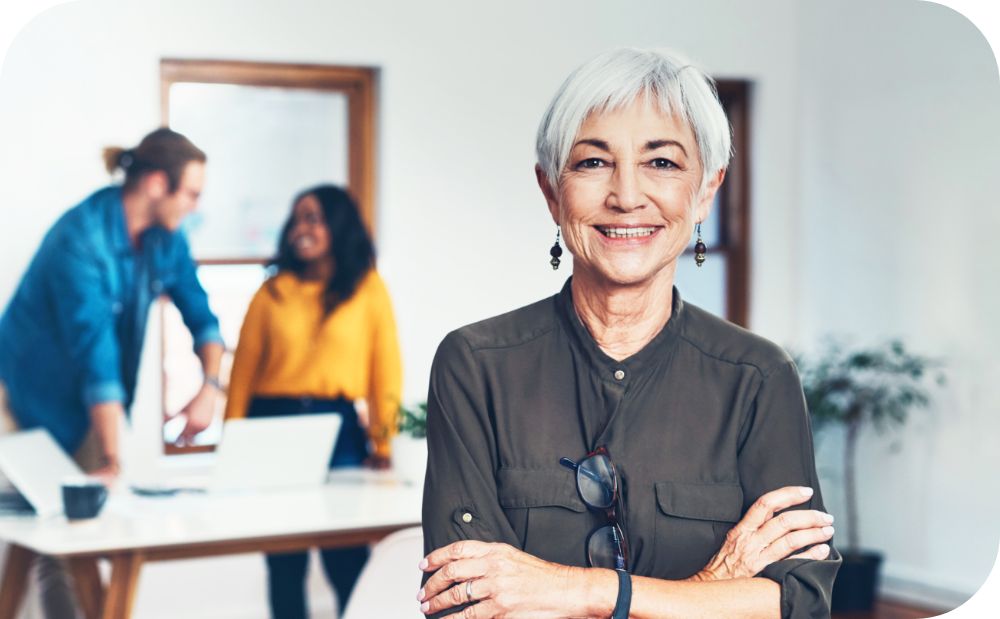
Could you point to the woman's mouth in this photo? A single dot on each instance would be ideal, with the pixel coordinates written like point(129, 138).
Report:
point(628, 232)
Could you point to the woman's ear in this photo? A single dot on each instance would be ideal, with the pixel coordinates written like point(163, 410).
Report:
point(705, 200)
point(549, 192)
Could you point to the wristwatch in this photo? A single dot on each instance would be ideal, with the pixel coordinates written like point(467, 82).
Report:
point(214, 381)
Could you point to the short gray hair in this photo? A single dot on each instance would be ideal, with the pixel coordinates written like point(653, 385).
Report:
point(614, 80)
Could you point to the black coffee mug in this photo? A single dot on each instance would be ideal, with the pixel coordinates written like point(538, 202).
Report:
point(83, 498)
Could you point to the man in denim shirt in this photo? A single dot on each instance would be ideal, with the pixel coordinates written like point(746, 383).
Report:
point(71, 337)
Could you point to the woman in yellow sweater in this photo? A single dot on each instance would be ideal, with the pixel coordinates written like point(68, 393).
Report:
point(318, 335)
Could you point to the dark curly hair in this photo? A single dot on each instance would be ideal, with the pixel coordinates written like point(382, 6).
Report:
point(352, 249)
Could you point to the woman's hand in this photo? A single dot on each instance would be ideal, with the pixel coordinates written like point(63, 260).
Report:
point(377, 463)
point(761, 538)
point(504, 581)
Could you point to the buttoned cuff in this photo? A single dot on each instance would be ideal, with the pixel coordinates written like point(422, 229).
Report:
point(99, 393)
point(208, 335)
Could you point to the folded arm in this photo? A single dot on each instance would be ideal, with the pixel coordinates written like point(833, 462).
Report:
point(774, 563)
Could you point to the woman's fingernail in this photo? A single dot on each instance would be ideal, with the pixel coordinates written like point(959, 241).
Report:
point(420, 595)
point(823, 549)
point(806, 491)
point(423, 564)
point(828, 518)
point(828, 531)
point(425, 607)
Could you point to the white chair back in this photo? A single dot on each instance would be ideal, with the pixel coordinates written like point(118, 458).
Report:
point(387, 587)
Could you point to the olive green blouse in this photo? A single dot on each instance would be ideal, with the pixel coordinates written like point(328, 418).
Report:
point(699, 423)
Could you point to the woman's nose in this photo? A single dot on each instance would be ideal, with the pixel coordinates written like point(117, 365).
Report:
point(625, 193)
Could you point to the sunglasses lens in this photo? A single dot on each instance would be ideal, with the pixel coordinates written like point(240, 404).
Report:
point(604, 548)
point(596, 481)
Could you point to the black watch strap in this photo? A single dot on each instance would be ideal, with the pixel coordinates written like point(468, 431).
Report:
point(624, 602)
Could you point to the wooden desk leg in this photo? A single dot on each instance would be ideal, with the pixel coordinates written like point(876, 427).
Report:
point(124, 581)
point(88, 586)
point(15, 579)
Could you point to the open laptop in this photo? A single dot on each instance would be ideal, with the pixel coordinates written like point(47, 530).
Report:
point(260, 454)
point(36, 466)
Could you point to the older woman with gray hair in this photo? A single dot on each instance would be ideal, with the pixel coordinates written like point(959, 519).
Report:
point(614, 450)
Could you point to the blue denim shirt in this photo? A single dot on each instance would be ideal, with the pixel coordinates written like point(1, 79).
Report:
point(72, 334)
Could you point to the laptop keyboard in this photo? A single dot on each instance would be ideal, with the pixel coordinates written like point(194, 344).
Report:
point(13, 502)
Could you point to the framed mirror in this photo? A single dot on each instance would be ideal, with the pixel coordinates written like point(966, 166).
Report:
point(270, 130)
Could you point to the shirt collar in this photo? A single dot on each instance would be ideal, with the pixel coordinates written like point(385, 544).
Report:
point(659, 349)
point(117, 232)
point(118, 237)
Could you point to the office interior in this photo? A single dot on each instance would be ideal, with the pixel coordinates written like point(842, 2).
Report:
point(866, 200)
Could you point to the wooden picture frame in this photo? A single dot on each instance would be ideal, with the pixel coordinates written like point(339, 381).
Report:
point(357, 84)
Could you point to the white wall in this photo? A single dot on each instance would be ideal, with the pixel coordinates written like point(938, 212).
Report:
point(458, 203)
point(463, 232)
point(900, 120)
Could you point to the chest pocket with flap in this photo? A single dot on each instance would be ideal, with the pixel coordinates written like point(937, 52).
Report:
point(692, 520)
point(546, 512)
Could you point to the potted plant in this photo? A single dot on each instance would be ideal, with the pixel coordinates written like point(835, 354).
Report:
point(409, 447)
point(876, 387)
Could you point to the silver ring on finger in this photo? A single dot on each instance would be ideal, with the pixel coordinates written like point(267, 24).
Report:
point(468, 592)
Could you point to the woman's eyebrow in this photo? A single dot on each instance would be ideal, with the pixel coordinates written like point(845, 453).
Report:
point(601, 144)
point(654, 144)
point(650, 145)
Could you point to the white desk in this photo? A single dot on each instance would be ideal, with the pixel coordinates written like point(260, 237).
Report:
point(355, 507)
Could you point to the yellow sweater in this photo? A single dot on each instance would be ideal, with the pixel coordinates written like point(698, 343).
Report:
point(288, 349)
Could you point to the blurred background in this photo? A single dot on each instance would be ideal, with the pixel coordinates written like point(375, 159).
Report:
point(862, 203)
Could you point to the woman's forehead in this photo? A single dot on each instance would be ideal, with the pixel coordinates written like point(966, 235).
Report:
point(642, 119)
point(307, 203)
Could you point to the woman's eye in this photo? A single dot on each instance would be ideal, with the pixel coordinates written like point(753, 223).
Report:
point(591, 163)
point(663, 164)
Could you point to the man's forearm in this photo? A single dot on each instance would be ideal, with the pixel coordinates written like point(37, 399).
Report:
point(105, 419)
point(210, 355)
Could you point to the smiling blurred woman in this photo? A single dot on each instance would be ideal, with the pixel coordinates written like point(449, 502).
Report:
point(317, 336)
point(613, 450)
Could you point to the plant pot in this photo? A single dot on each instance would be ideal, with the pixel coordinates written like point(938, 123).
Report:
point(857, 582)
point(409, 457)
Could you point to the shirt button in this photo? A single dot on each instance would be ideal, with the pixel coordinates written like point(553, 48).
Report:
point(466, 517)
point(619, 374)
point(116, 307)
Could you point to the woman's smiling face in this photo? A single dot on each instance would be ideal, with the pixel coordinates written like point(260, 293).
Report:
point(628, 199)
point(308, 234)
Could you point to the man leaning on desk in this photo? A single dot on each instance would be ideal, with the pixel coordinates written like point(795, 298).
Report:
point(71, 337)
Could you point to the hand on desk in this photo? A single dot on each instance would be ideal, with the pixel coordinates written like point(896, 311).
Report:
point(107, 473)
point(378, 463)
point(199, 413)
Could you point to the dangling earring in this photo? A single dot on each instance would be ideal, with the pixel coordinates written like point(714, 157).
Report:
point(699, 248)
point(555, 252)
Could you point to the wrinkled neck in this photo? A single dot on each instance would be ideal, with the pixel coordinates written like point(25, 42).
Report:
point(623, 319)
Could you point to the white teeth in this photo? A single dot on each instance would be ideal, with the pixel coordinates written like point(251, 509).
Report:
point(626, 233)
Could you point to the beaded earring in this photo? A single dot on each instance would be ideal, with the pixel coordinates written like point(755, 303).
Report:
point(699, 248)
point(555, 252)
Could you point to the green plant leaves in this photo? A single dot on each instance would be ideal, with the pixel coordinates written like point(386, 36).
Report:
point(413, 421)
